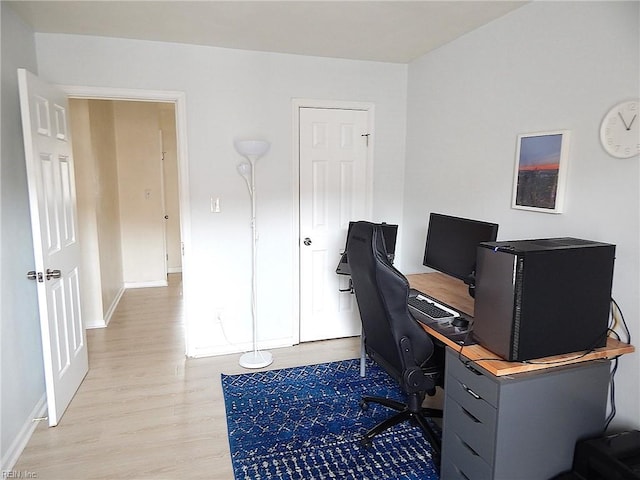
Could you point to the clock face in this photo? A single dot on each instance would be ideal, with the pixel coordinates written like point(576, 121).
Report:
point(620, 130)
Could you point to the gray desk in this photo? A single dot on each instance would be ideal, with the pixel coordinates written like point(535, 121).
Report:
point(522, 426)
point(509, 420)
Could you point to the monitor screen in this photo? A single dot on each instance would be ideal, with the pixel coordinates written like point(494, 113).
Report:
point(389, 232)
point(452, 243)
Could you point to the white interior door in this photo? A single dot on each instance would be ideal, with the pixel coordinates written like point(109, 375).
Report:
point(52, 199)
point(163, 202)
point(333, 186)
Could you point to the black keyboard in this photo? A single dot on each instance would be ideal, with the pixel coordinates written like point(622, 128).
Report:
point(429, 308)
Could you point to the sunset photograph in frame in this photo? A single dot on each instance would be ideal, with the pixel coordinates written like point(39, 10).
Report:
point(540, 171)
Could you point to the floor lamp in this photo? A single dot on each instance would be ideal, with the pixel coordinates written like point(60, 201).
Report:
point(252, 150)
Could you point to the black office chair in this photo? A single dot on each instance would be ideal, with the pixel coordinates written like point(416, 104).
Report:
point(393, 338)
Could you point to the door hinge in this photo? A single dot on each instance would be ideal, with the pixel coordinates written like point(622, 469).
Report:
point(366, 135)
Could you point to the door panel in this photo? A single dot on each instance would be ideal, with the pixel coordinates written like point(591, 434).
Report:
point(52, 201)
point(333, 172)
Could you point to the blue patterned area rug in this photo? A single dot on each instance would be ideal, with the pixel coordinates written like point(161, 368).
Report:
point(306, 423)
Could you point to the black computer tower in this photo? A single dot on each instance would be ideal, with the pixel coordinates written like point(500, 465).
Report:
point(536, 298)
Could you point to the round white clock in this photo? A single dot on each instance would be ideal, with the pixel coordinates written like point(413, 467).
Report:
point(620, 130)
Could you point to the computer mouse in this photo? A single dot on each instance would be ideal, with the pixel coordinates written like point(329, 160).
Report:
point(460, 322)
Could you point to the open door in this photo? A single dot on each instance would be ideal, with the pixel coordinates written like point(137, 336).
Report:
point(52, 200)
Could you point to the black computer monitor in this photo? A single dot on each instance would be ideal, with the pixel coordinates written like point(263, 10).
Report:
point(452, 244)
point(389, 232)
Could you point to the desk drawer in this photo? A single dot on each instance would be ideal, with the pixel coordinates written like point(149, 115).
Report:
point(462, 462)
point(476, 429)
point(472, 378)
point(471, 401)
point(449, 471)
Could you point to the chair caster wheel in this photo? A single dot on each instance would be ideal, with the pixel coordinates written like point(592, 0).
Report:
point(364, 405)
point(366, 442)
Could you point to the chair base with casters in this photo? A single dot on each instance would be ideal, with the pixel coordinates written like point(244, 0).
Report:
point(393, 339)
point(412, 411)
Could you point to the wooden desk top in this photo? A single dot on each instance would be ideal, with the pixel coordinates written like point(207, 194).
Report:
point(453, 292)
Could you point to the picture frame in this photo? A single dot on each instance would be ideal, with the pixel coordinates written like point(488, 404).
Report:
point(540, 174)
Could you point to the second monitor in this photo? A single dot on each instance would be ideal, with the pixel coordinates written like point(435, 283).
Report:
point(389, 233)
point(452, 244)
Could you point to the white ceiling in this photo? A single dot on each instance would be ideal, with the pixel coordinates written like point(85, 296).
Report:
point(387, 31)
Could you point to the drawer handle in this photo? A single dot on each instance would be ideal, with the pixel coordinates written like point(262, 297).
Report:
point(469, 448)
point(471, 392)
point(470, 368)
point(470, 415)
point(461, 473)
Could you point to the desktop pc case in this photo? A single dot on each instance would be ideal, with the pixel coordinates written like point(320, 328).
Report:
point(537, 298)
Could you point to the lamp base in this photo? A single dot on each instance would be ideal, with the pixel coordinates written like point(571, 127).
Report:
point(256, 359)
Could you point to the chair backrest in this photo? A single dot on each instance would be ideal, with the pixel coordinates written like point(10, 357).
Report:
point(382, 293)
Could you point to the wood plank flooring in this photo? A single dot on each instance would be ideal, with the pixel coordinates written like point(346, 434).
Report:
point(145, 411)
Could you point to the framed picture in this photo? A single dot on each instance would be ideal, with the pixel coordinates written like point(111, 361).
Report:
point(540, 171)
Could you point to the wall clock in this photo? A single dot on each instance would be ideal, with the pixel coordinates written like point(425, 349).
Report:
point(620, 130)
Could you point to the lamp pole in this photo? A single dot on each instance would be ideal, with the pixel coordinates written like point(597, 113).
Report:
point(252, 150)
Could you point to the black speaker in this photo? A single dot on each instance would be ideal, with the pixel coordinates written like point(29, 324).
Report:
point(537, 298)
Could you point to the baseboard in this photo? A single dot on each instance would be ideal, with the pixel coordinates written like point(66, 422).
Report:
point(93, 326)
point(156, 283)
point(10, 458)
point(174, 270)
point(214, 351)
point(112, 308)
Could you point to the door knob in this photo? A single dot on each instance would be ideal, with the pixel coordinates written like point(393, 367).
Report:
point(53, 274)
point(307, 241)
point(33, 275)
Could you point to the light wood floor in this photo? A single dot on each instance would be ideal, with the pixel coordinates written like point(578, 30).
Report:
point(145, 411)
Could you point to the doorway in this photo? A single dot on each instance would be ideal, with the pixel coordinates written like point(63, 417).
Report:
point(168, 109)
point(128, 206)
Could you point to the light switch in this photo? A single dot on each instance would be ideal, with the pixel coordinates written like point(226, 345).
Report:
point(215, 204)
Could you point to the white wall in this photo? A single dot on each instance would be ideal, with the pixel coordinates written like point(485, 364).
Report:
point(546, 66)
point(21, 370)
point(85, 165)
point(232, 94)
point(139, 154)
point(94, 151)
point(107, 204)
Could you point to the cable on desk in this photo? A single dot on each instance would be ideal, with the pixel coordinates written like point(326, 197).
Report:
point(467, 361)
point(560, 361)
point(590, 349)
point(612, 394)
point(615, 311)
